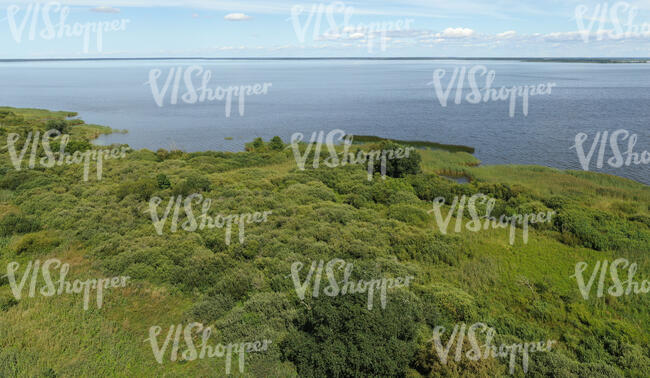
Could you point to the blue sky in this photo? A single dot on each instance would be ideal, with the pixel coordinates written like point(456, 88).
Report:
point(378, 28)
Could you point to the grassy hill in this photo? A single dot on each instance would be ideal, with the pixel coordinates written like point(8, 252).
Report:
point(525, 291)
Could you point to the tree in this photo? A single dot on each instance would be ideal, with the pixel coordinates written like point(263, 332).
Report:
point(163, 181)
point(398, 167)
point(340, 337)
point(276, 143)
point(58, 124)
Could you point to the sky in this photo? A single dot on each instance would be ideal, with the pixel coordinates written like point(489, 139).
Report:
point(362, 28)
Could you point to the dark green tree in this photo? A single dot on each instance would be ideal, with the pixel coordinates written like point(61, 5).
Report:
point(163, 181)
point(276, 143)
point(58, 124)
point(398, 167)
point(340, 337)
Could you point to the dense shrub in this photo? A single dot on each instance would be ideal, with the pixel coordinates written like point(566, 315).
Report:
point(602, 231)
point(192, 184)
point(210, 309)
point(398, 167)
point(408, 214)
point(38, 243)
point(276, 143)
point(8, 118)
point(58, 124)
point(163, 181)
point(142, 189)
point(13, 179)
point(429, 187)
point(339, 337)
point(7, 302)
point(17, 224)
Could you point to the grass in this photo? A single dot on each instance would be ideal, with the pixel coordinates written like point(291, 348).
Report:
point(419, 144)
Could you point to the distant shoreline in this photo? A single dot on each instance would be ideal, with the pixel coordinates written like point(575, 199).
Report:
point(527, 60)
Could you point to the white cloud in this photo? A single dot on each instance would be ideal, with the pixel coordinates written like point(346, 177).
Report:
point(507, 35)
point(456, 33)
point(237, 17)
point(105, 10)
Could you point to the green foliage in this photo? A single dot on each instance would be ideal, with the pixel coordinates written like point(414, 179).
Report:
point(58, 124)
point(142, 189)
point(9, 118)
point(192, 184)
point(339, 337)
point(13, 179)
point(163, 154)
point(381, 226)
point(397, 166)
point(211, 309)
point(431, 186)
point(38, 243)
point(408, 214)
point(7, 302)
point(17, 224)
point(72, 146)
point(163, 181)
point(602, 231)
point(276, 143)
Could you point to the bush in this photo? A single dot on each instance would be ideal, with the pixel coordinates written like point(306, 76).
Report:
point(192, 184)
point(6, 303)
point(395, 167)
point(408, 214)
point(13, 179)
point(58, 124)
point(339, 337)
point(211, 309)
point(431, 186)
point(38, 243)
point(17, 224)
point(601, 231)
point(142, 189)
point(163, 181)
point(276, 143)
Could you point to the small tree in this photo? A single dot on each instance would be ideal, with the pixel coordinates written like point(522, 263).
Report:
point(163, 181)
point(258, 143)
point(58, 124)
point(401, 167)
point(276, 143)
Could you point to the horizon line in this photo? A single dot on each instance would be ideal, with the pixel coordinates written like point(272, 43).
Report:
point(582, 59)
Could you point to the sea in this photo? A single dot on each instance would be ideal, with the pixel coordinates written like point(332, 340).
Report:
point(397, 98)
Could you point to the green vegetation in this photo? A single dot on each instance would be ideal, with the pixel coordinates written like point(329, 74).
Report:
point(420, 144)
point(381, 226)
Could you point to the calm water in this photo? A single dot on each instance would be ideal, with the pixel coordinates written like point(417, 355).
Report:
point(384, 98)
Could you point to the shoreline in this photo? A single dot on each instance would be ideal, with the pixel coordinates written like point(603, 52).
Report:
point(94, 131)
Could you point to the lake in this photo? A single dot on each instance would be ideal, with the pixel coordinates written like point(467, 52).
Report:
point(392, 98)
